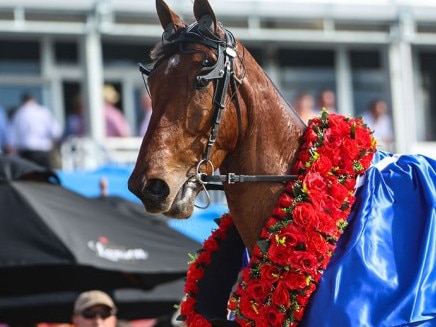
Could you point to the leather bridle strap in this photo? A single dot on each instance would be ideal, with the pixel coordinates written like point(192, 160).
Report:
point(232, 178)
point(223, 74)
point(219, 99)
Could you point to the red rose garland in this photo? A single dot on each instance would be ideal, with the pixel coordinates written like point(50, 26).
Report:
point(300, 237)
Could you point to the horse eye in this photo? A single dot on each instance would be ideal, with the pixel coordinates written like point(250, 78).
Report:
point(207, 62)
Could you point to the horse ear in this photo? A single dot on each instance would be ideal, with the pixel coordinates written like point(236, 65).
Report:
point(206, 19)
point(170, 21)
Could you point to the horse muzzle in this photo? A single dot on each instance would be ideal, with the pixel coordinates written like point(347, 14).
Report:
point(155, 196)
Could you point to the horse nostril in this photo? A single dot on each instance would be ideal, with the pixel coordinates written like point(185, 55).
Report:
point(156, 190)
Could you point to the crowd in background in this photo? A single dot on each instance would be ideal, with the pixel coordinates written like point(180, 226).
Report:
point(32, 131)
point(376, 116)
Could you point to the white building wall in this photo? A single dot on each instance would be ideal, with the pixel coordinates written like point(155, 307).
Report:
point(339, 25)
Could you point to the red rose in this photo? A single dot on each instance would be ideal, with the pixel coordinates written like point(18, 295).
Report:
point(292, 235)
point(316, 188)
point(258, 289)
point(246, 273)
point(317, 244)
point(305, 215)
point(362, 137)
point(232, 304)
point(314, 182)
point(195, 272)
point(258, 252)
point(299, 167)
point(271, 221)
point(365, 161)
point(191, 286)
point(304, 261)
point(303, 300)
point(295, 280)
point(331, 151)
point(345, 167)
point(204, 258)
point(279, 254)
point(339, 192)
point(279, 212)
point(285, 200)
point(187, 306)
point(199, 321)
point(350, 149)
point(249, 308)
point(322, 165)
point(298, 314)
point(273, 317)
point(269, 273)
point(211, 244)
point(311, 135)
point(327, 224)
point(332, 138)
point(280, 295)
point(350, 183)
point(338, 124)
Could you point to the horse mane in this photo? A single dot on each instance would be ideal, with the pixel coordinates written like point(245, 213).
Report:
point(285, 101)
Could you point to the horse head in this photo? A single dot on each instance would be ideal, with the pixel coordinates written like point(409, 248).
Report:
point(213, 107)
point(182, 91)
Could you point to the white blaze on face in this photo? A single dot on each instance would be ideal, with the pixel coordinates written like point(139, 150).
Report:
point(173, 62)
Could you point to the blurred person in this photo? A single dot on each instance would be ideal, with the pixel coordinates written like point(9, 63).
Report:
point(116, 123)
point(327, 100)
point(34, 131)
point(53, 324)
point(94, 309)
point(4, 125)
point(75, 124)
point(378, 119)
point(147, 111)
point(304, 104)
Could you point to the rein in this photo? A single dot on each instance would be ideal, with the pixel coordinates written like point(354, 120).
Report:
point(222, 72)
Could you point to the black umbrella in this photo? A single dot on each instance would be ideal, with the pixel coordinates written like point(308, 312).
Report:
point(15, 168)
point(55, 240)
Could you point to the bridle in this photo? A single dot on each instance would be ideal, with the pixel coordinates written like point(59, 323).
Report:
point(222, 72)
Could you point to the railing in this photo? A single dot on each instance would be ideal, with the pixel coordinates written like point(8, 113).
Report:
point(86, 153)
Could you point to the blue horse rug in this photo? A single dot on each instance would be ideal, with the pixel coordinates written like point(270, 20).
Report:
point(383, 270)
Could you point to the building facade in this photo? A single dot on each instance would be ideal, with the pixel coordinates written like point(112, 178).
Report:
point(361, 50)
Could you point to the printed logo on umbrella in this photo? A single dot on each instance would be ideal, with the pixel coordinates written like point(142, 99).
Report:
point(105, 250)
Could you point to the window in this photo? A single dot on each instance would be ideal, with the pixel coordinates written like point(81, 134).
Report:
point(20, 57)
point(66, 52)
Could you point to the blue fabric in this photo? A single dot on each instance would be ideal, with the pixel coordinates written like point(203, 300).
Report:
point(383, 271)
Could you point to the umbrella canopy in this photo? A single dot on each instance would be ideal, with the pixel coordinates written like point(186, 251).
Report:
point(55, 240)
point(16, 168)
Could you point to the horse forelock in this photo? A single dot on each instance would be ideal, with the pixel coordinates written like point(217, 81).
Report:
point(190, 34)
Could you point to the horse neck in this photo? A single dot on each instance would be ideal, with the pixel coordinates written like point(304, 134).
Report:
point(268, 147)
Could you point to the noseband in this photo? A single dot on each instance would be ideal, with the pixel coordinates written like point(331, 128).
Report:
point(222, 72)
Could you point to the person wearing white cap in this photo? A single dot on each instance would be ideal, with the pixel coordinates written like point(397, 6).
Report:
point(94, 309)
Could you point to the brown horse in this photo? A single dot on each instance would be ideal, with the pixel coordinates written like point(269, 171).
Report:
point(258, 131)
point(214, 107)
